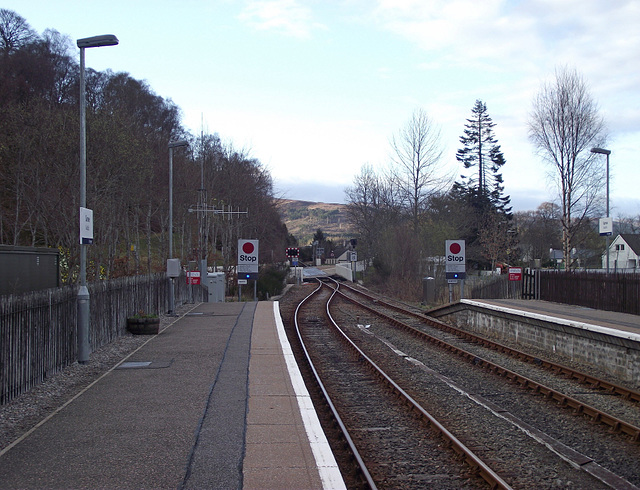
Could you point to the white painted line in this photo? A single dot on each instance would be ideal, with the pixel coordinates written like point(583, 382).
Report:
point(325, 461)
point(562, 321)
point(134, 364)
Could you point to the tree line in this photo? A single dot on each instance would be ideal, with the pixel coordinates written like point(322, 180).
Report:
point(405, 211)
point(129, 128)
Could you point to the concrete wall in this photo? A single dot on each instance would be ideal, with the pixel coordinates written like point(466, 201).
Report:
point(344, 270)
point(616, 355)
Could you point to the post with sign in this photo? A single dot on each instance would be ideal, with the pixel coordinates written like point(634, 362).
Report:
point(455, 265)
point(248, 265)
point(193, 277)
point(293, 254)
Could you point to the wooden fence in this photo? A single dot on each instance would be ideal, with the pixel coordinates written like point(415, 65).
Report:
point(493, 287)
point(38, 329)
point(611, 292)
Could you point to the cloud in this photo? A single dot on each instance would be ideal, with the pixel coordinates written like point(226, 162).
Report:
point(310, 191)
point(521, 36)
point(285, 16)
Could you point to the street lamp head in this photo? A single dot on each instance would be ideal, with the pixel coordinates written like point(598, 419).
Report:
point(176, 144)
point(602, 151)
point(97, 41)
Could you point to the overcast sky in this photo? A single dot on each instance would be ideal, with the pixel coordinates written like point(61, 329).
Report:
point(316, 89)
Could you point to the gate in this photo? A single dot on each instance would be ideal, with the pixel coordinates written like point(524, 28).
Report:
point(531, 284)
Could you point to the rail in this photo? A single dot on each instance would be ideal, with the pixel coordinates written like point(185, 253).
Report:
point(343, 429)
point(563, 400)
point(475, 462)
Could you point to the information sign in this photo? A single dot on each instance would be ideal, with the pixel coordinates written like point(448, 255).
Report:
point(605, 226)
point(86, 226)
point(515, 273)
point(193, 277)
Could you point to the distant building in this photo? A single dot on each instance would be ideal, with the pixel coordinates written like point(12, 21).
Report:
point(556, 256)
point(623, 253)
point(580, 258)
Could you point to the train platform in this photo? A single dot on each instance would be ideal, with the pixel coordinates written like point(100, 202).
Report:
point(215, 400)
point(609, 322)
point(606, 340)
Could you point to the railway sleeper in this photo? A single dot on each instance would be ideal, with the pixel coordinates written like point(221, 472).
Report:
point(562, 400)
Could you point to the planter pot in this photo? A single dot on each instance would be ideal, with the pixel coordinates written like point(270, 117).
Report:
point(143, 326)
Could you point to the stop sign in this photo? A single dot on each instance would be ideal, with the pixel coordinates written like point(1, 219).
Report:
point(248, 256)
point(248, 248)
point(455, 260)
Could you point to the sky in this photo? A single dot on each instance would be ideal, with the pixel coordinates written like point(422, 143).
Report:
point(317, 89)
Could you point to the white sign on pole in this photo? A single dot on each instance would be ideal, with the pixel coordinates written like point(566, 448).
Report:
point(455, 260)
point(86, 226)
point(248, 256)
point(606, 226)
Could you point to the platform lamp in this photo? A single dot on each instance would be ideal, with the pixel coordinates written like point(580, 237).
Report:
point(602, 151)
point(172, 145)
point(83, 293)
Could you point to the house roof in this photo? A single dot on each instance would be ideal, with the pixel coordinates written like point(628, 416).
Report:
point(633, 241)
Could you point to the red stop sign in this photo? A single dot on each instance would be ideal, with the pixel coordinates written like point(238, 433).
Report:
point(247, 247)
point(455, 248)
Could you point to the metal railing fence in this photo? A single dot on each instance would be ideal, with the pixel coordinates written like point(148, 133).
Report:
point(38, 329)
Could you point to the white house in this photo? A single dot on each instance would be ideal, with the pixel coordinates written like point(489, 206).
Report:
point(624, 253)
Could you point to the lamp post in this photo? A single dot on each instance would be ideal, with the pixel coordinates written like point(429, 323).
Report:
point(83, 293)
point(172, 145)
point(602, 151)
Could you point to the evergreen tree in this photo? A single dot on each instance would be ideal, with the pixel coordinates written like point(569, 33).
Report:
point(484, 188)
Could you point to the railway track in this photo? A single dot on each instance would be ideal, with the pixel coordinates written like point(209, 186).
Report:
point(581, 377)
point(520, 454)
point(606, 403)
point(367, 403)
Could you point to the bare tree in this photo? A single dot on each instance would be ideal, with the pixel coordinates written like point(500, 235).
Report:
point(563, 126)
point(372, 207)
point(539, 231)
point(497, 239)
point(416, 157)
point(14, 31)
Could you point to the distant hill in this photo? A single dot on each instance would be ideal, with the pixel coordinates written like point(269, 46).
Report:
point(303, 218)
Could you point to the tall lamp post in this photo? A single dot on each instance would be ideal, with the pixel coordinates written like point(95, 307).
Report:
point(84, 348)
point(602, 151)
point(172, 145)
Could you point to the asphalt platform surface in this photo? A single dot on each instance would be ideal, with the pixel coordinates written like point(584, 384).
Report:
point(180, 412)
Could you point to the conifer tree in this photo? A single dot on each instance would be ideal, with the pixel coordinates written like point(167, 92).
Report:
point(484, 188)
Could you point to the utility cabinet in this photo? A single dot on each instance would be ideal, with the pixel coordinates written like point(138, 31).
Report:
point(24, 269)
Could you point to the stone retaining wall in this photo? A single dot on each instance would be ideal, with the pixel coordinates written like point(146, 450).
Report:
point(615, 355)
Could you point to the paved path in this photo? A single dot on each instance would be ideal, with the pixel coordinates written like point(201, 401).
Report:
point(207, 403)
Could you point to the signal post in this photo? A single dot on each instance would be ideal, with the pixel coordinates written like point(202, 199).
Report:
point(293, 254)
